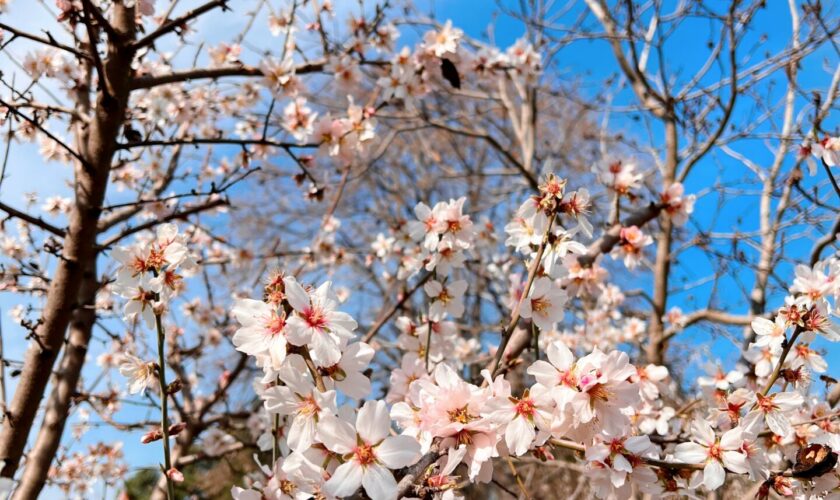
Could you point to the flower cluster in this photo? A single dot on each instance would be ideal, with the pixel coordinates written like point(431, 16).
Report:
point(151, 273)
point(583, 395)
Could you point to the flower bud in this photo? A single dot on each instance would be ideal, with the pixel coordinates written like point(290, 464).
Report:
point(176, 429)
point(174, 387)
point(151, 436)
point(175, 475)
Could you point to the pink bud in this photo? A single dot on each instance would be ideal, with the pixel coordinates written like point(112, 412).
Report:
point(176, 429)
point(151, 436)
point(175, 475)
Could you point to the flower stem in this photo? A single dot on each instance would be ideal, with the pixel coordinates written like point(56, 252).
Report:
point(775, 375)
point(164, 403)
point(313, 370)
point(429, 326)
point(532, 274)
point(275, 450)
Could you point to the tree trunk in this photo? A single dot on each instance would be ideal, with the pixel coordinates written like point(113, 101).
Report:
point(65, 383)
point(97, 148)
point(657, 341)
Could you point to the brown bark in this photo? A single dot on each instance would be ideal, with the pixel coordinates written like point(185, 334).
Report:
point(64, 389)
point(657, 340)
point(97, 147)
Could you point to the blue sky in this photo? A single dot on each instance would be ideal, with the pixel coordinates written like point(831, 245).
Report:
point(589, 63)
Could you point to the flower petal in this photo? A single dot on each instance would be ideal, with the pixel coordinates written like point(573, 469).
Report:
point(398, 451)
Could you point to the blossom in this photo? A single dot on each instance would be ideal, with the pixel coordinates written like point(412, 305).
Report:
point(603, 390)
point(301, 401)
point(675, 318)
point(620, 176)
point(317, 323)
point(769, 333)
point(771, 409)
point(428, 226)
point(293, 477)
point(519, 416)
point(811, 284)
point(369, 452)
point(446, 298)
point(443, 41)
point(345, 70)
point(382, 246)
point(803, 355)
point(262, 332)
point(647, 378)
point(298, 119)
point(452, 411)
point(457, 228)
point(346, 375)
point(720, 380)
point(559, 370)
point(677, 205)
point(631, 242)
point(411, 368)
point(166, 251)
point(829, 151)
point(143, 298)
point(279, 76)
point(544, 305)
point(577, 205)
point(764, 359)
point(660, 423)
point(716, 453)
point(527, 228)
point(618, 457)
point(139, 373)
point(560, 244)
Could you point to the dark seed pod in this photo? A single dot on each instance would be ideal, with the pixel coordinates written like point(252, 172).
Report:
point(814, 460)
point(450, 73)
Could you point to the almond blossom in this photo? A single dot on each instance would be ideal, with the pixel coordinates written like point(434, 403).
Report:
point(717, 453)
point(346, 375)
point(544, 304)
point(301, 401)
point(262, 332)
point(447, 299)
point(520, 416)
point(771, 409)
point(677, 204)
point(769, 333)
point(316, 322)
point(632, 242)
point(618, 458)
point(139, 373)
point(368, 452)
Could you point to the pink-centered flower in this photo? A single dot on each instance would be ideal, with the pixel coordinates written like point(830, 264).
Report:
point(317, 323)
point(714, 452)
point(262, 332)
point(544, 305)
point(369, 452)
point(300, 400)
point(773, 409)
